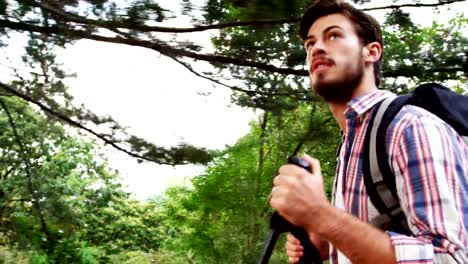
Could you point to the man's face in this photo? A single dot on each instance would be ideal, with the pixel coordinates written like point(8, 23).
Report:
point(334, 57)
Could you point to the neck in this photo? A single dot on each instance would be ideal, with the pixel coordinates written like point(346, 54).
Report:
point(367, 85)
point(338, 113)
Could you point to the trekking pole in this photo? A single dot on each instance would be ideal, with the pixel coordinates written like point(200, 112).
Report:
point(279, 225)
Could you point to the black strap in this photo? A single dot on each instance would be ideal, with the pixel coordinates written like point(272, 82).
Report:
point(382, 154)
point(378, 176)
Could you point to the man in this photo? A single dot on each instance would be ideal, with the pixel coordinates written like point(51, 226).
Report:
point(428, 158)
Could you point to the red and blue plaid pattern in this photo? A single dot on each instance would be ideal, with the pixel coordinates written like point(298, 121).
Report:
point(430, 163)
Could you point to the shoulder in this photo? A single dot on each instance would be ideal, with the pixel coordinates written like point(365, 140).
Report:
point(415, 129)
point(411, 119)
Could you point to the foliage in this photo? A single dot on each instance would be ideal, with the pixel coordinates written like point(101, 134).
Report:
point(412, 52)
point(224, 218)
point(43, 83)
point(59, 202)
point(255, 42)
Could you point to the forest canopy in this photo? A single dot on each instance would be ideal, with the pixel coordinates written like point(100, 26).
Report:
point(59, 199)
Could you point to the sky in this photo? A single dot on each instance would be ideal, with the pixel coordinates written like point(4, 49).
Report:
point(158, 100)
point(161, 101)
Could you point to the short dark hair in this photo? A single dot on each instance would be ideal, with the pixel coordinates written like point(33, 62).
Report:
point(367, 28)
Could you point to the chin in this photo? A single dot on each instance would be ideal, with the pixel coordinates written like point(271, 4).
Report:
point(323, 82)
point(324, 77)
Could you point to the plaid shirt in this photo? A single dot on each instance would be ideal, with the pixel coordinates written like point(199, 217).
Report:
point(430, 163)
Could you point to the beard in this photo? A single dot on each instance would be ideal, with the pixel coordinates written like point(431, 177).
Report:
point(340, 89)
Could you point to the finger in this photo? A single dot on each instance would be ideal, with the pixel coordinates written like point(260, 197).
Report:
point(293, 260)
point(294, 248)
point(314, 163)
point(276, 192)
point(277, 200)
point(283, 180)
point(277, 180)
point(290, 169)
point(292, 239)
point(273, 191)
point(294, 254)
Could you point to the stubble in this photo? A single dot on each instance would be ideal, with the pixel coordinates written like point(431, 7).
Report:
point(341, 88)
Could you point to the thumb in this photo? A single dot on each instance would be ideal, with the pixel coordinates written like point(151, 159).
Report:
point(314, 164)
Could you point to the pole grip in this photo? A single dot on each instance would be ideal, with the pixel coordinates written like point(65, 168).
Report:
point(311, 253)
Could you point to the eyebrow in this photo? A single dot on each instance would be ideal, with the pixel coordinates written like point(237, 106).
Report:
point(325, 31)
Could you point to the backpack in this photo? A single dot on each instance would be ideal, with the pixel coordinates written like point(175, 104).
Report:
point(378, 177)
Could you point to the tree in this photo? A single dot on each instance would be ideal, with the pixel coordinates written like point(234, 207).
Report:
point(256, 42)
point(224, 217)
point(52, 184)
point(57, 195)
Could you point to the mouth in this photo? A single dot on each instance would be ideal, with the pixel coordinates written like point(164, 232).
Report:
point(321, 65)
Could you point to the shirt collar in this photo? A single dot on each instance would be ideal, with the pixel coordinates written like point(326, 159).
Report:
point(361, 104)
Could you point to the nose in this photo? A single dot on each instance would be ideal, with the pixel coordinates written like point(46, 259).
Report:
point(314, 51)
point(317, 49)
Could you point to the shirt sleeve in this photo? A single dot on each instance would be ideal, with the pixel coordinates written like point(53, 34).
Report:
point(430, 162)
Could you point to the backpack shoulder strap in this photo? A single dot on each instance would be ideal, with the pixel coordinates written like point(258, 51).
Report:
point(378, 176)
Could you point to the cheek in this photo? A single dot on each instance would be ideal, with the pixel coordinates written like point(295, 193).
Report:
point(348, 57)
point(308, 61)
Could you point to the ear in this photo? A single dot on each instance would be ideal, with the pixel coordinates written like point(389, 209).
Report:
point(372, 52)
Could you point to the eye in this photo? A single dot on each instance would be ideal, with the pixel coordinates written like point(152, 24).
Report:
point(333, 36)
point(309, 44)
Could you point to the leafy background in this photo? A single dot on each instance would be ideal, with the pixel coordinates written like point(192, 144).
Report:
point(61, 202)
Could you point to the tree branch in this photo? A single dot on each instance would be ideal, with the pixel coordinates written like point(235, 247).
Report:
point(160, 47)
point(5, 176)
point(409, 71)
point(261, 22)
point(35, 194)
point(174, 52)
point(144, 28)
point(440, 3)
point(234, 88)
point(76, 124)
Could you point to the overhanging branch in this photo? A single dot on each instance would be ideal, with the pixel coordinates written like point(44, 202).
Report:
point(409, 71)
point(67, 16)
point(234, 88)
point(76, 124)
point(261, 22)
point(176, 52)
point(440, 3)
point(160, 47)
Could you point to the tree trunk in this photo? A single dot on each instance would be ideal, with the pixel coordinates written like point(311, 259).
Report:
point(256, 212)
